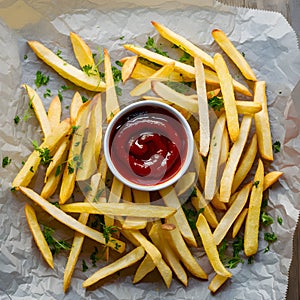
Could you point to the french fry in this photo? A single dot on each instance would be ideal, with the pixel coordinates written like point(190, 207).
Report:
point(239, 222)
point(245, 164)
point(39, 109)
point(120, 209)
point(224, 152)
point(170, 198)
point(228, 97)
point(78, 237)
point(128, 67)
point(84, 54)
point(238, 59)
point(62, 217)
point(156, 235)
point(91, 149)
point(184, 69)
point(262, 123)
point(155, 255)
point(76, 103)
point(124, 262)
point(271, 178)
point(54, 112)
point(112, 106)
point(199, 203)
point(217, 282)
point(74, 156)
point(30, 167)
point(233, 160)
point(199, 166)
point(37, 234)
point(210, 246)
point(213, 158)
point(232, 213)
point(202, 106)
point(217, 203)
point(145, 267)
point(161, 75)
point(171, 95)
point(185, 183)
point(184, 44)
point(114, 197)
point(248, 107)
point(253, 216)
point(66, 70)
point(178, 244)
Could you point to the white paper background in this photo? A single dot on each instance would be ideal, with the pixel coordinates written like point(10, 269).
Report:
point(271, 49)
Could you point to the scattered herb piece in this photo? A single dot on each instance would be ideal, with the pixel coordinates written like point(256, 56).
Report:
point(266, 219)
point(70, 168)
point(250, 259)
point(47, 93)
point(58, 53)
point(58, 170)
point(16, 119)
point(185, 58)
point(276, 146)
point(55, 204)
point(118, 63)
point(84, 266)
point(108, 231)
point(55, 245)
point(25, 56)
point(270, 237)
point(89, 70)
point(94, 258)
point(151, 45)
point(45, 156)
point(243, 54)
point(41, 79)
point(279, 220)
point(256, 183)
point(84, 99)
point(216, 103)
point(264, 203)
point(121, 37)
point(31, 169)
point(13, 189)
point(6, 161)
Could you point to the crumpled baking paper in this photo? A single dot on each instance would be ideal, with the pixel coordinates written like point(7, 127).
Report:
point(270, 46)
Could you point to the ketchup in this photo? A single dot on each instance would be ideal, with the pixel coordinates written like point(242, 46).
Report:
point(148, 145)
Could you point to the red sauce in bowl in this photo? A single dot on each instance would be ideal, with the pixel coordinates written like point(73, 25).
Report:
point(148, 145)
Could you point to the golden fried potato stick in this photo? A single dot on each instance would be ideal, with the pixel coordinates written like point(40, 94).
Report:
point(76, 103)
point(112, 106)
point(184, 44)
point(39, 109)
point(160, 75)
point(245, 164)
point(170, 199)
point(157, 237)
point(203, 110)
point(155, 255)
point(185, 183)
point(37, 234)
point(66, 70)
point(74, 157)
point(239, 222)
point(184, 69)
point(232, 213)
point(31, 165)
point(54, 112)
point(253, 216)
point(211, 173)
point(199, 166)
point(91, 149)
point(178, 244)
point(228, 97)
point(84, 54)
point(210, 246)
point(217, 282)
point(128, 67)
point(233, 160)
point(124, 262)
point(217, 203)
point(200, 203)
point(238, 59)
point(69, 221)
point(145, 267)
point(262, 124)
point(79, 237)
point(271, 178)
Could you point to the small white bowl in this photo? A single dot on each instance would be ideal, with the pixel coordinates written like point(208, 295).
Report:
point(140, 183)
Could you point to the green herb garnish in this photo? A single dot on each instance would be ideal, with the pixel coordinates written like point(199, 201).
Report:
point(216, 103)
point(266, 219)
point(41, 79)
point(279, 220)
point(16, 119)
point(276, 146)
point(47, 93)
point(45, 156)
point(256, 183)
point(84, 266)
point(6, 161)
point(151, 45)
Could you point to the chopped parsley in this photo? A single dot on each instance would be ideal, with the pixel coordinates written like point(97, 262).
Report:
point(84, 99)
point(58, 170)
point(84, 266)
point(266, 219)
point(276, 146)
point(70, 168)
point(151, 45)
point(31, 169)
point(45, 156)
point(256, 183)
point(16, 119)
point(108, 231)
point(41, 79)
point(279, 220)
point(55, 245)
point(47, 93)
point(93, 257)
point(62, 89)
point(89, 70)
point(25, 56)
point(250, 259)
point(270, 237)
point(6, 161)
point(216, 103)
point(185, 58)
point(58, 53)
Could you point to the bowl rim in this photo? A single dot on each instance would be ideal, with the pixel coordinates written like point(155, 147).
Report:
point(188, 156)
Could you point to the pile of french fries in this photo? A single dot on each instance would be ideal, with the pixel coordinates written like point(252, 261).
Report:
point(227, 148)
